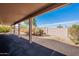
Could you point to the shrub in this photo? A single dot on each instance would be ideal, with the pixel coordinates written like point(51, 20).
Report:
point(39, 32)
point(4, 28)
point(73, 32)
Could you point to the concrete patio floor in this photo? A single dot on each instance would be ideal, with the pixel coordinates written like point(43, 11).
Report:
point(64, 48)
point(12, 45)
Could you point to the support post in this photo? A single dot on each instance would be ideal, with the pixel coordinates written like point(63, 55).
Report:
point(11, 30)
point(14, 30)
point(18, 29)
point(30, 30)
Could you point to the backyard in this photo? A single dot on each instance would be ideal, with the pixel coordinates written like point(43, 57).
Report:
point(54, 33)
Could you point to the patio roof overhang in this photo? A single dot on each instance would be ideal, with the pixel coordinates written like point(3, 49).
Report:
point(13, 13)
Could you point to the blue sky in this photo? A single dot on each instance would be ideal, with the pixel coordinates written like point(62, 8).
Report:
point(66, 15)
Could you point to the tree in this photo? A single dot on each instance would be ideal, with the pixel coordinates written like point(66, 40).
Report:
point(59, 26)
point(33, 22)
point(26, 22)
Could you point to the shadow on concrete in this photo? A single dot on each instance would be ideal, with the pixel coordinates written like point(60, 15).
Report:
point(12, 45)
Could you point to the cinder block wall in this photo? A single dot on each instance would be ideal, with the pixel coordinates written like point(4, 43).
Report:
point(59, 32)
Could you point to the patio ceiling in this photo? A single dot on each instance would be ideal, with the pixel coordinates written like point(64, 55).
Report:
point(12, 13)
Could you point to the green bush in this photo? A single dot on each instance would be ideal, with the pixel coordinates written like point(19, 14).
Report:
point(73, 32)
point(39, 32)
point(4, 28)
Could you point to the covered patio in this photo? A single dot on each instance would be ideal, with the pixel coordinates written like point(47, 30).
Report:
point(12, 14)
